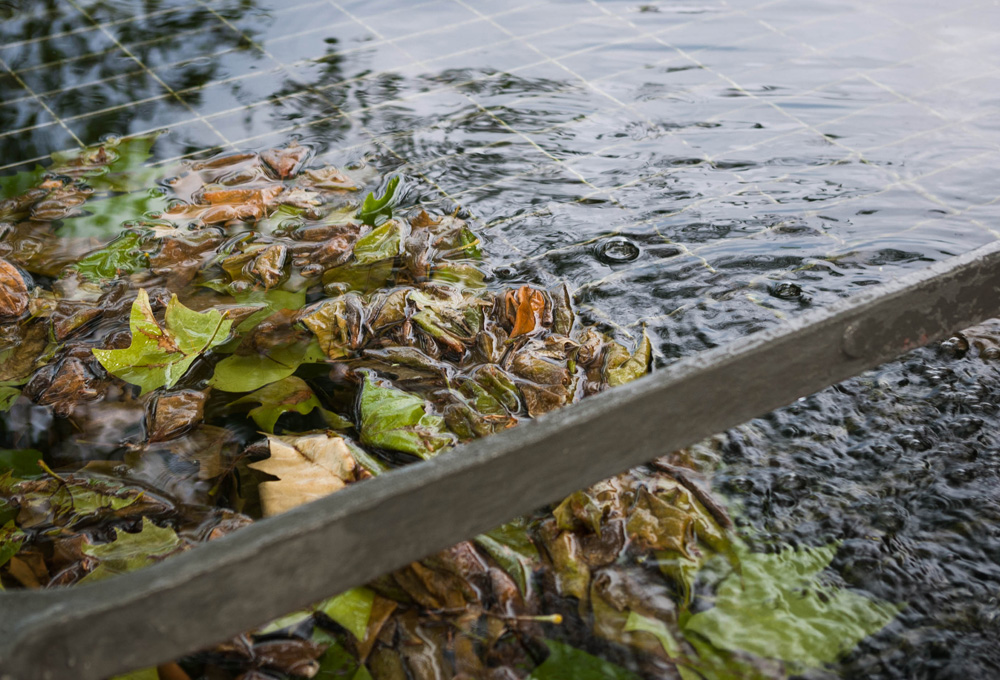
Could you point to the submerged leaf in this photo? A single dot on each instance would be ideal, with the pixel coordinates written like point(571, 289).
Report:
point(307, 468)
point(8, 395)
point(399, 421)
point(121, 256)
point(128, 552)
point(777, 608)
point(566, 662)
point(160, 355)
point(104, 218)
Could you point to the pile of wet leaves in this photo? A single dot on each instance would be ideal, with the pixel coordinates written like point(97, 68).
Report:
point(263, 331)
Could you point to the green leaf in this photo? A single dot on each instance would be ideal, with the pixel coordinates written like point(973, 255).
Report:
point(777, 608)
point(287, 621)
point(124, 172)
point(339, 664)
point(381, 243)
point(624, 369)
point(656, 628)
point(283, 396)
point(128, 552)
point(399, 421)
point(351, 609)
point(106, 216)
point(121, 256)
point(510, 546)
point(565, 662)
point(381, 207)
point(160, 355)
point(246, 373)
point(145, 674)
point(21, 462)
point(8, 395)
point(11, 538)
point(17, 184)
point(354, 277)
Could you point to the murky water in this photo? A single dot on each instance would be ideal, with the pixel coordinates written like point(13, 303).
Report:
point(702, 171)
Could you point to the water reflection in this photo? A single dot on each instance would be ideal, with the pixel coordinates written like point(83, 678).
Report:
point(700, 172)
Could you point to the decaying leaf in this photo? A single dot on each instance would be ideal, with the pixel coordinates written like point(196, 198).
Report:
point(174, 413)
point(13, 291)
point(525, 307)
point(307, 468)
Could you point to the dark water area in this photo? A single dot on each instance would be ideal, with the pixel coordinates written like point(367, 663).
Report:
point(702, 171)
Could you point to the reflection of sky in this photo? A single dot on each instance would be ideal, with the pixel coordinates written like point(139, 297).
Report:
point(740, 143)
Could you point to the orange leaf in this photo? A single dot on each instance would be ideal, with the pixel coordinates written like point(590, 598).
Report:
point(530, 304)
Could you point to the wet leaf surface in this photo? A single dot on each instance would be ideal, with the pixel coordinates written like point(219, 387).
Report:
point(158, 325)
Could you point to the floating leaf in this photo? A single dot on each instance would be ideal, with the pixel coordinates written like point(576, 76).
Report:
point(351, 609)
point(776, 607)
point(13, 291)
point(376, 210)
point(527, 305)
point(121, 256)
point(381, 243)
point(565, 662)
point(399, 421)
point(307, 468)
point(511, 547)
point(621, 370)
point(160, 355)
point(246, 373)
point(128, 552)
point(284, 396)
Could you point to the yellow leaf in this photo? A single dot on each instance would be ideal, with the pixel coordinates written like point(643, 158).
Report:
point(307, 468)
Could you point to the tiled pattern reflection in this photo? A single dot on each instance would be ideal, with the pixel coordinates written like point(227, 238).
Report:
point(767, 156)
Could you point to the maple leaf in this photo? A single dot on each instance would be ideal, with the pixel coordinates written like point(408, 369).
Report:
point(307, 468)
point(160, 355)
point(284, 396)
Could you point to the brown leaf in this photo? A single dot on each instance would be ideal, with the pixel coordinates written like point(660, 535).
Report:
point(526, 306)
point(28, 568)
point(286, 162)
point(174, 413)
point(63, 386)
point(60, 203)
point(13, 291)
point(294, 657)
point(329, 178)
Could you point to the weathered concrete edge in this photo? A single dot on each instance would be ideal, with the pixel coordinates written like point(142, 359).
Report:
point(344, 540)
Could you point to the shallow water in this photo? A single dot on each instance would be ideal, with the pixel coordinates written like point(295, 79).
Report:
point(701, 170)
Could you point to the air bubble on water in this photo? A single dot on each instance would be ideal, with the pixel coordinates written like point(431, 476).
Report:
point(617, 250)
